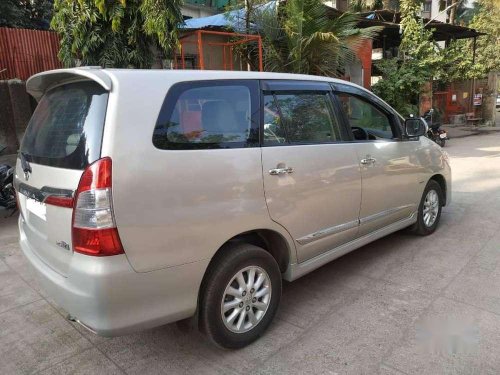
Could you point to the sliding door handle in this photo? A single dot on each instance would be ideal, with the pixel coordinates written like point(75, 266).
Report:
point(280, 171)
point(368, 160)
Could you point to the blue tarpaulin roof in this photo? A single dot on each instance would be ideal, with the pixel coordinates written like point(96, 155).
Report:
point(217, 20)
point(234, 19)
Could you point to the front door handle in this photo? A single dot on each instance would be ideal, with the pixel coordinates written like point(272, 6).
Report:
point(368, 160)
point(280, 171)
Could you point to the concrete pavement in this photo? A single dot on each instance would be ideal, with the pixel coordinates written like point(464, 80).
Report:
point(401, 305)
point(461, 131)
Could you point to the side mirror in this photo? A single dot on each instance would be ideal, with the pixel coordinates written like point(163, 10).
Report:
point(415, 127)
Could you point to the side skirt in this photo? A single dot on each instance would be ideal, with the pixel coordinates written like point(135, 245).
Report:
point(297, 270)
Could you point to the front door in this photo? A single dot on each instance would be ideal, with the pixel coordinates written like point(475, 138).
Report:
point(311, 176)
point(389, 170)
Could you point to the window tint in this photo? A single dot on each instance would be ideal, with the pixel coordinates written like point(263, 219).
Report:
point(299, 118)
point(197, 115)
point(274, 129)
point(362, 114)
point(66, 128)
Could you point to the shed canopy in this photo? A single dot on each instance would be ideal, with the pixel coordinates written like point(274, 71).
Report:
point(390, 20)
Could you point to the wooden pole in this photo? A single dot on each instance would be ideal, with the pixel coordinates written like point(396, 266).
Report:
point(473, 83)
point(200, 51)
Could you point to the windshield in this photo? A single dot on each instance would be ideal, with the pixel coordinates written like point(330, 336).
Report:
point(66, 128)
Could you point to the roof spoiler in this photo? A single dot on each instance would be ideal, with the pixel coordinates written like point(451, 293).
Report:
point(38, 84)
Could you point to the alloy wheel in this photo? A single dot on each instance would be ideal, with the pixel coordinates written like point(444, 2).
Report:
point(431, 208)
point(246, 299)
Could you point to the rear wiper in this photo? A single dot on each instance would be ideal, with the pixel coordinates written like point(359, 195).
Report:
point(24, 162)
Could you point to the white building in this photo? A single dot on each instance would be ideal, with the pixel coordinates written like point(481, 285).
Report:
point(431, 9)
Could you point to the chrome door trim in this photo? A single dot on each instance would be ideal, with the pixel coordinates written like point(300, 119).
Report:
point(327, 232)
point(297, 270)
point(384, 213)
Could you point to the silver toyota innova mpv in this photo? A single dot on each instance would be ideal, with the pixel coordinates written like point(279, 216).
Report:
point(151, 196)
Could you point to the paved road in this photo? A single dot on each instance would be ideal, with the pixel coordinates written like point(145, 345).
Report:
point(402, 305)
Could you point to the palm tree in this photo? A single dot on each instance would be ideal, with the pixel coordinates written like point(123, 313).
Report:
point(305, 39)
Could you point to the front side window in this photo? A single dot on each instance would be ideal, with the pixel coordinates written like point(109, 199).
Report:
point(367, 122)
point(302, 117)
point(207, 115)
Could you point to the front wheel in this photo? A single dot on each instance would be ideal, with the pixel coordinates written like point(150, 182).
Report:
point(240, 296)
point(429, 210)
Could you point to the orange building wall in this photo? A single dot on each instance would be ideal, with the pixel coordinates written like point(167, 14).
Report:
point(365, 55)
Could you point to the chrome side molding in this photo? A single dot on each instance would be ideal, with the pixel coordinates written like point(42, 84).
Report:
point(297, 270)
point(381, 214)
point(322, 233)
point(327, 232)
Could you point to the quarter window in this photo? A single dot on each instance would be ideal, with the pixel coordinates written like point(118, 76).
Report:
point(205, 115)
point(365, 119)
point(299, 118)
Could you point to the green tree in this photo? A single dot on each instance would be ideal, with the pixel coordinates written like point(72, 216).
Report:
point(304, 38)
point(365, 5)
point(28, 14)
point(458, 61)
point(400, 85)
point(115, 33)
point(466, 10)
point(418, 62)
point(417, 45)
point(487, 20)
point(245, 15)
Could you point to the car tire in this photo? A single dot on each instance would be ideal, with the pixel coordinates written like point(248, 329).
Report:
point(431, 204)
point(233, 315)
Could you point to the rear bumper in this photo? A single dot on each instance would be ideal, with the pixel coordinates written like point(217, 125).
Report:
point(107, 296)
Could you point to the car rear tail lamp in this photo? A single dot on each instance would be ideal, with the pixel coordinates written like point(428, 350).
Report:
point(94, 228)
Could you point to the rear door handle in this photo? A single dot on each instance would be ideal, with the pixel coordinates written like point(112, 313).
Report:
point(280, 171)
point(368, 160)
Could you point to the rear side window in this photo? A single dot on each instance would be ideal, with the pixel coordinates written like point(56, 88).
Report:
point(208, 114)
point(305, 117)
point(66, 128)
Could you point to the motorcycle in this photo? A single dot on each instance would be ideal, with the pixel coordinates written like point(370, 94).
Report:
point(7, 192)
point(435, 133)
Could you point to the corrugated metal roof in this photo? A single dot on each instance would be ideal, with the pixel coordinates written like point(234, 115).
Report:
point(234, 19)
point(26, 52)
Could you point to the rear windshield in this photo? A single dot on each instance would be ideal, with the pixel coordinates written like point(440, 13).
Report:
point(66, 128)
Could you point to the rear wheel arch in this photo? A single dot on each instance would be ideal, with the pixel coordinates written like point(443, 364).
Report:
point(271, 241)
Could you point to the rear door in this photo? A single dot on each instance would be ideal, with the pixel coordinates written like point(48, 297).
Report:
point(311, 175)
point(63, 137)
